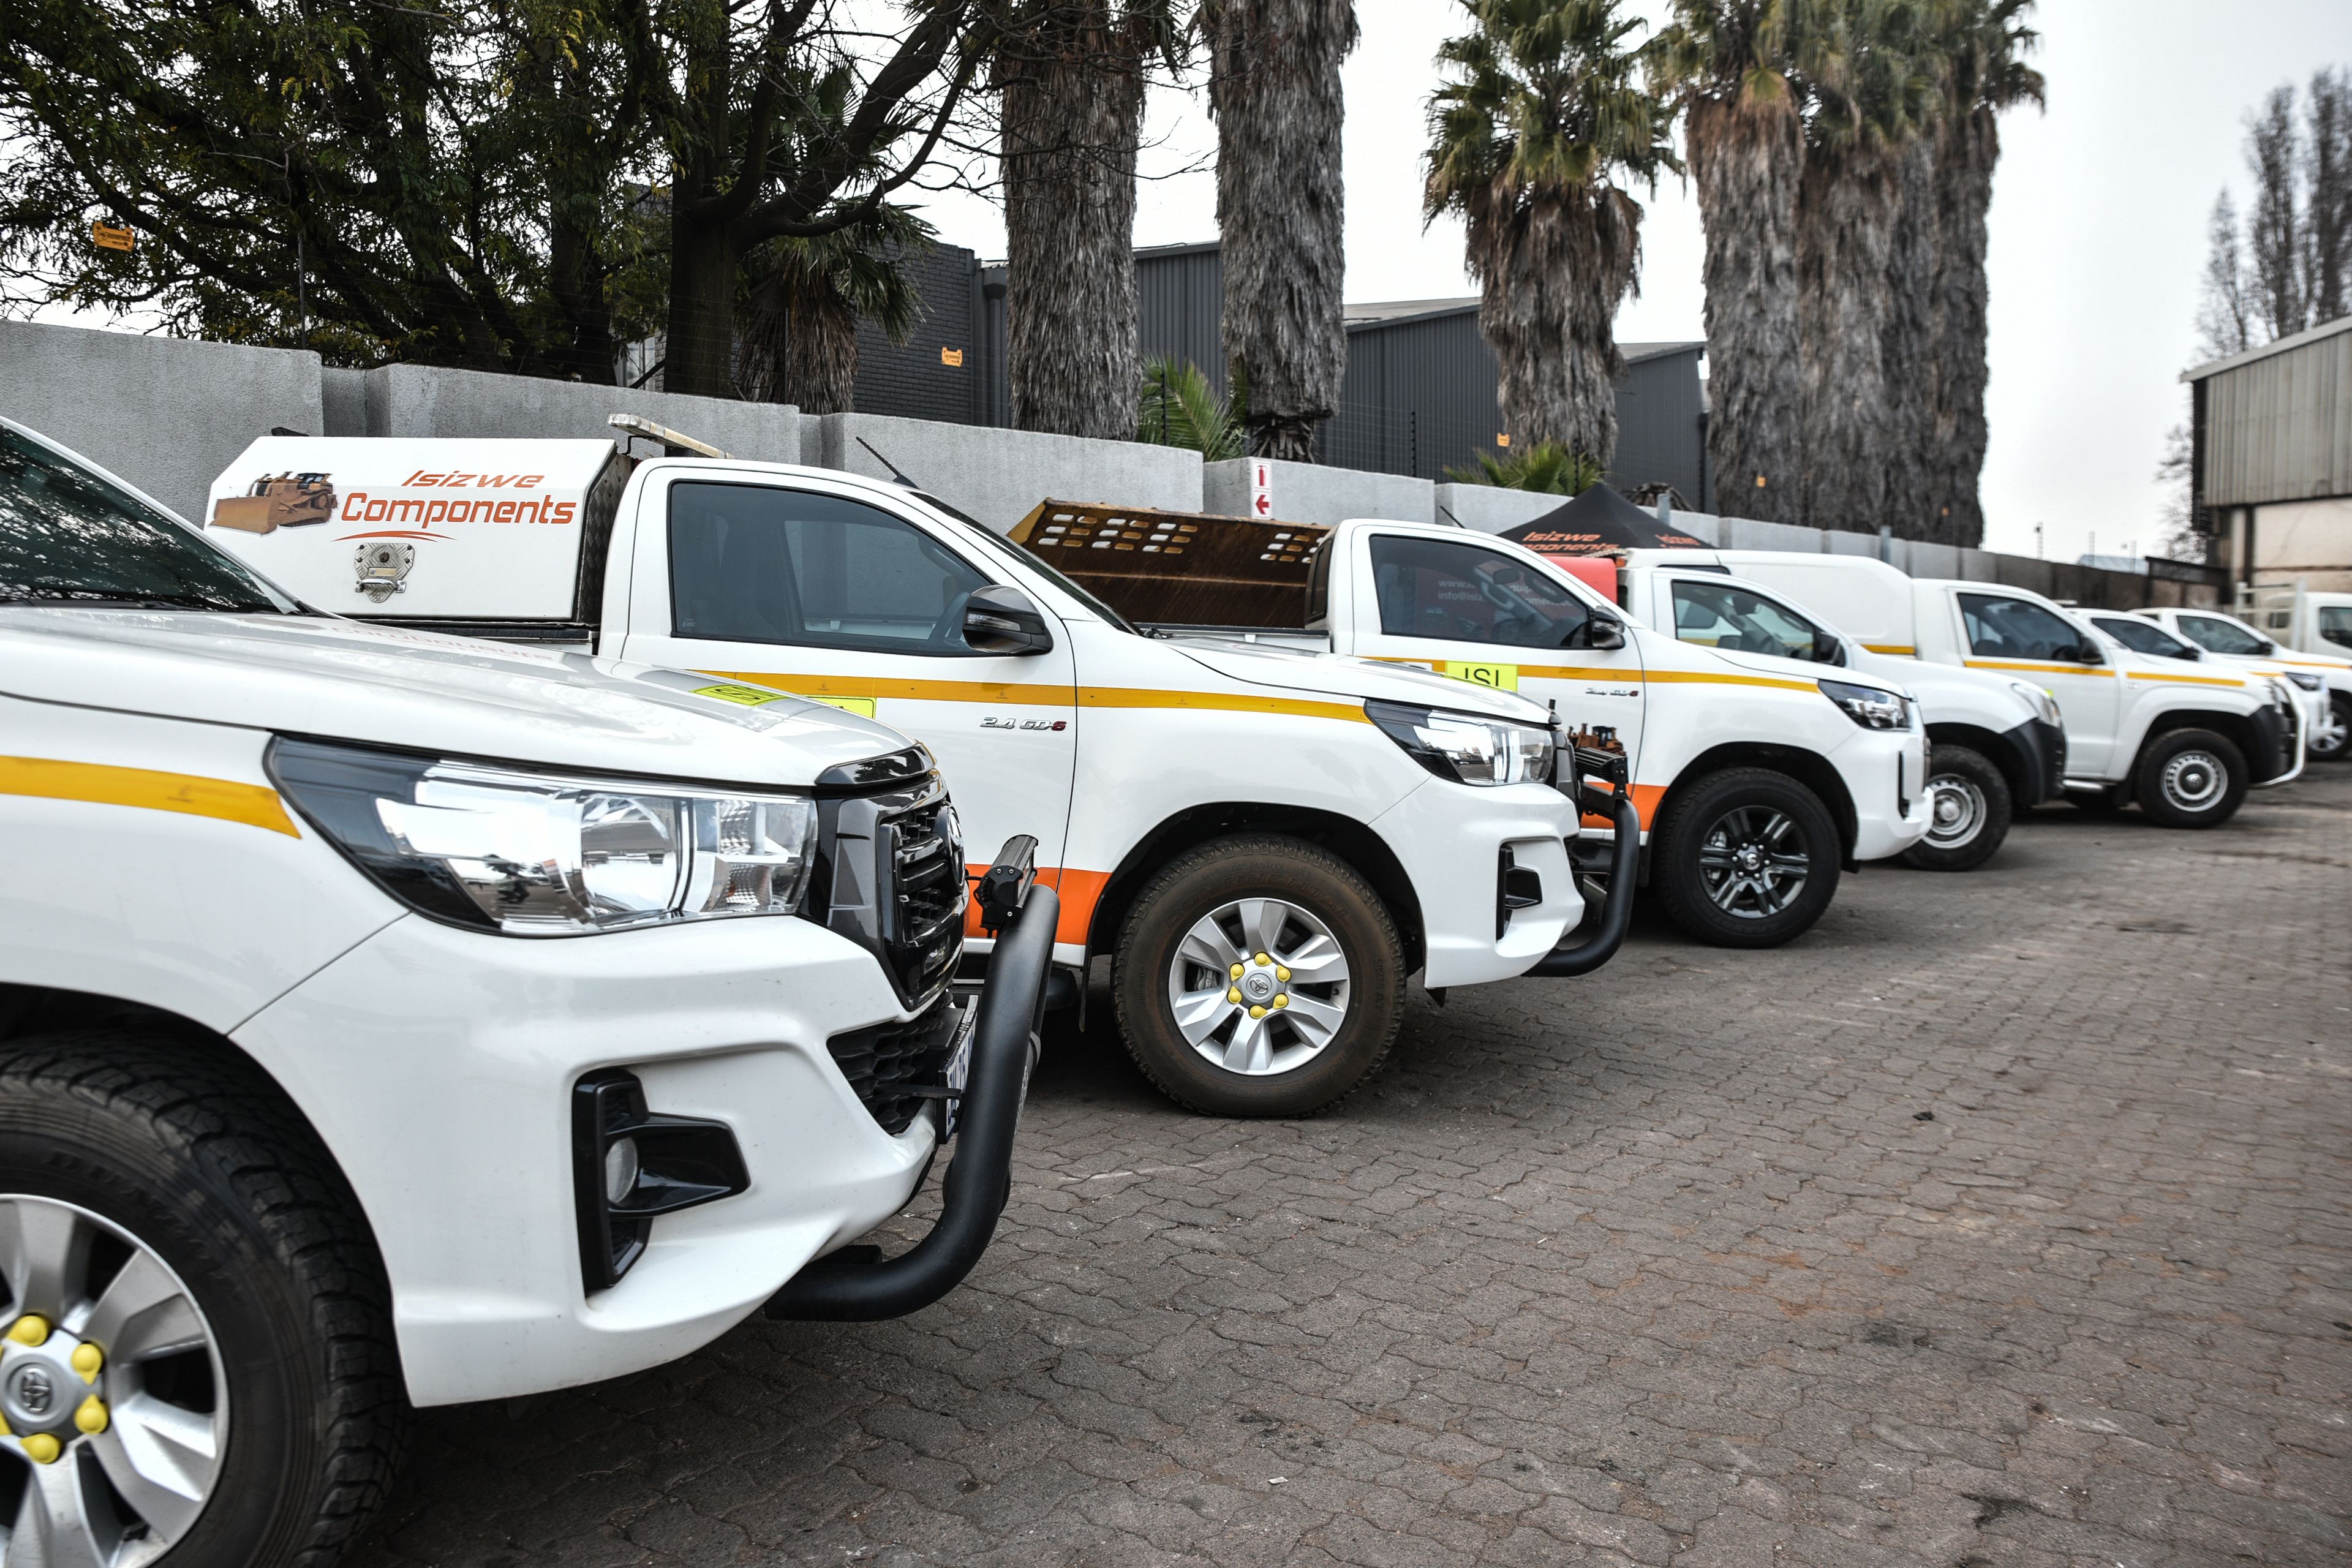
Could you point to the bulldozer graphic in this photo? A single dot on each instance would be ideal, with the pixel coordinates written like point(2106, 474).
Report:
point(280, 500)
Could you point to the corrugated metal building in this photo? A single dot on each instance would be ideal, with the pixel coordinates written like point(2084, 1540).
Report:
point(2272, 457)
point(1418, 396)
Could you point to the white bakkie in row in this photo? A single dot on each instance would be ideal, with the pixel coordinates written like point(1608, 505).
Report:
point(2324, 677)
point(2182, 739)
point(1269, 844)
point(387, 1017)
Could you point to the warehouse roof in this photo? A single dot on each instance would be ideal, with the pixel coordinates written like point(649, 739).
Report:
point(2286, 344)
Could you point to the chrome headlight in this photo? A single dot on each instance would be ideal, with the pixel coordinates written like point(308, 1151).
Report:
point(1466, 747)
point(1868, 705)
point(526, 853)
point(2308, 682)
point(2044, 703)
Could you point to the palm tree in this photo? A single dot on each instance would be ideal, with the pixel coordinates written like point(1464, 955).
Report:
point(1181, 409)
point(1072, 74)
point(1985, 73)
point(1527, 145)
point(1732, 67)
point(803, 301)
point(1274, 88)
point(1849, 210)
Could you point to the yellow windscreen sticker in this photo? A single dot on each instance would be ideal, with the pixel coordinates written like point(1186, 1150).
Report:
point(748, 696)
point(861, 706)
point(1501, 677)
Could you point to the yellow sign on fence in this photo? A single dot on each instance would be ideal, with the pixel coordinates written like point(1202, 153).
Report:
point(951, 358)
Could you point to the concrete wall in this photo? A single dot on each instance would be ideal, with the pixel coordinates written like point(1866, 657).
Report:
point(1490, 509)
point(1307, 493)
point(165, 413)
point(998, 476)
point(423, 400)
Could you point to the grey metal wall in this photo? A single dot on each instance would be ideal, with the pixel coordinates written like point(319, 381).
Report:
point(1181, 295)
point(911, 380)
point(1661, 426)
point(1418, 396)
point(2280, 427)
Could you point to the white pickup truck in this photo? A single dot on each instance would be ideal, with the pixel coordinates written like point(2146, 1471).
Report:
point(2324, 679)
point(1755, 777)
point(392, 1018)
point(1996, 745)
point(2181, 738)
point(1269, 844)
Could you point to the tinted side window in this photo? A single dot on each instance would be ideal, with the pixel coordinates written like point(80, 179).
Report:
point(754, 563)
point(1434, 588)
point(1719, 615)
point(2221, 637)
point(2013, 629)
point(2143, 637)
point(2336, 623)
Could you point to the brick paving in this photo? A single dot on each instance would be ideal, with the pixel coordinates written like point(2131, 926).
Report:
point(2002, 1220)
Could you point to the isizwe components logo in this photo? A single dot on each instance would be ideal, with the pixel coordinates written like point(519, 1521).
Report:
point(424, 511)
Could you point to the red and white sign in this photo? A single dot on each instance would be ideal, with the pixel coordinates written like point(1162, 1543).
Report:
point(1262, 489)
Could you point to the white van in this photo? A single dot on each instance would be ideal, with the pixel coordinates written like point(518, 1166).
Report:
point(388, 1018)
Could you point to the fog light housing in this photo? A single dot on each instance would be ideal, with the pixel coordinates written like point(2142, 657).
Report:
point(630, 1165)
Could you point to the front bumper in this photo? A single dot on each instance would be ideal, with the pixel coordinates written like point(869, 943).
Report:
point(1885, 776)
point(437, 1065)
point(1449, 837)
point(2278, 740)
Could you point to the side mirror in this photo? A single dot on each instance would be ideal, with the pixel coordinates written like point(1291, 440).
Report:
point(2087, 652)
point(1828, 649)
point(1602, 631)
point(999, 619)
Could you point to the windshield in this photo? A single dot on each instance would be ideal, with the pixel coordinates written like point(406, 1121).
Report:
point(2222, 636)
point(1031, 559)
point(68, 537)
point(2143, 637)
point(1731, 619)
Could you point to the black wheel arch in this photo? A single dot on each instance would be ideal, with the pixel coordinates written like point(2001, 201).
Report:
point(2237, 729)
point(2001, 751)
point(1808, 768)
point(1361, 848)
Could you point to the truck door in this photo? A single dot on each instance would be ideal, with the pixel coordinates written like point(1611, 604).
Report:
point(1486, 615)
point(2033, 643)
point(830, 597)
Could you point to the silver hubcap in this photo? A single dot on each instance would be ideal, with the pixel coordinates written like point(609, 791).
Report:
point(2328, 736)
point(2194, 780)
point(112, 1389)
point(1258, 986)
point(1752, 862)
point(1957, 811)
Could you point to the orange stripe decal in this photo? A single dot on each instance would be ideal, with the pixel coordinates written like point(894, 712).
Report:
point(1645, 807)
point(1081, 891)
point(2039, 669)
point(98, 784)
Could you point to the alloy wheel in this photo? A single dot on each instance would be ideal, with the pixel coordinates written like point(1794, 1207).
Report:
point(1258, 986)
point(1752, 862)
point(112, 1389)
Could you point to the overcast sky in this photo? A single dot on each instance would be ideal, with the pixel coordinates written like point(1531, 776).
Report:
point(2097, 230)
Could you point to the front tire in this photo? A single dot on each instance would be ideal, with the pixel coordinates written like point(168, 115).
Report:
point(1746, 858)
point(1259, 976)
point(1968, 811)
point(166, 1220)
point(2189, 778)
point(2334, 744)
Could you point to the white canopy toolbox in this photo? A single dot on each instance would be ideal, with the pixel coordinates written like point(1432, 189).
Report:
point(424, 529)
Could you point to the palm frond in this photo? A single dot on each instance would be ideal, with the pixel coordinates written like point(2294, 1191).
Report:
point(1180, 408)
point(1546, 466)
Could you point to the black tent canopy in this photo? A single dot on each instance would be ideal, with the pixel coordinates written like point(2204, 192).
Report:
point(1596, 523)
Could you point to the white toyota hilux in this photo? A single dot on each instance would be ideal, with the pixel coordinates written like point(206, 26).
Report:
point(389, 1019)
point(1267, 845)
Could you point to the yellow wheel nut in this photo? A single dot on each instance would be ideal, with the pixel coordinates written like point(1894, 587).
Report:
point(1280, 972)
point(91, 1415)
point(86, 1359)
point(1257, 1012)
point(41, 1448)
point(1281, 999)
point(1263, 958)
point(1237, 971)
point(32, 1328)
point(1232, 993)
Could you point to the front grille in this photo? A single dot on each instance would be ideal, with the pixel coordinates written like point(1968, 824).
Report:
point(890, 1065)
point(924, 935)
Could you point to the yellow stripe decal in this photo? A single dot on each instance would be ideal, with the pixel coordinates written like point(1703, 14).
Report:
point(1897, 648)
point(2188, 679)
point(833, 688)
point(49, 778)
point(1635, 676)
point(2038, 669)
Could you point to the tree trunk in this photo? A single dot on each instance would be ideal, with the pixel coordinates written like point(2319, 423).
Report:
point(1846, 209)
point(1273, 88)
point(1551, 275)
point(1073, 115)
point(1967, 152)
point(822, 357)
point(1908, 347)
point(698, 349)
point(1748, 160)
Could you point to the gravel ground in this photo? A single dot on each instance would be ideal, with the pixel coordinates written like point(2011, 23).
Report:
point(2001, 1220)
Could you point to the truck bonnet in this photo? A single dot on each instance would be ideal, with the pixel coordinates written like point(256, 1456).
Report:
point(1263, 664)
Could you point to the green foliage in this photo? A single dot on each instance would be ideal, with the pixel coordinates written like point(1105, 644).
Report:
point(1180, 408)
point(1546, 465)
